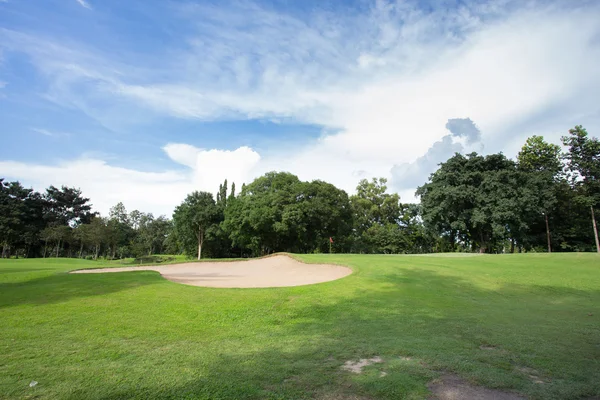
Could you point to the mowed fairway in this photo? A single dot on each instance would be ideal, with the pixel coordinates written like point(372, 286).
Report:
point(528, 323)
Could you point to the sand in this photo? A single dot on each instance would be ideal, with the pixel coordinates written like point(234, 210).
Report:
point(276, 271)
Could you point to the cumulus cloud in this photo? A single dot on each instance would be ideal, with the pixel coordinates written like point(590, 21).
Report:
point(106, 185)
point(211, 167)
point(383, 84)
point(157, 192)
point(464, 127)
point(182, 153)
point(406, 176)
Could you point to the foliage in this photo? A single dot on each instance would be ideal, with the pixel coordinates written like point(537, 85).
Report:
point(195, 221)
point(479, 201)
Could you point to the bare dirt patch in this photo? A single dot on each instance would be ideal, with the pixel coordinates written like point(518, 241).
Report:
point(276, 271)
point(452, 387)
point(532, 374)
point(357, 366)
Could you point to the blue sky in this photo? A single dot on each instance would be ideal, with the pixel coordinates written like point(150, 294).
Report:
point(145, 101)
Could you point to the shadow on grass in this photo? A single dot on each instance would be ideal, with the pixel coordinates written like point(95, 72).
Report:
point(61, 287)
point(419, 322)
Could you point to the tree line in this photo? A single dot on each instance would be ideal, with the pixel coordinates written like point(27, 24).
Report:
point(545, 200)
point(60, 223)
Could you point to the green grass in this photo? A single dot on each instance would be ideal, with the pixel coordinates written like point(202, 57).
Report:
point(136, 335)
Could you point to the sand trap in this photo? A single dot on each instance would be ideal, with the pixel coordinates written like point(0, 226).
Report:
point(276, 271)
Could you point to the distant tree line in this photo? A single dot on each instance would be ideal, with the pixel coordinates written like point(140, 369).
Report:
point(545, 200)
point(61, 223)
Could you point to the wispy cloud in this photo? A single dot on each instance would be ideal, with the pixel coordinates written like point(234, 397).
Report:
point(47, 132)
point(383, 83)
point(84, 3)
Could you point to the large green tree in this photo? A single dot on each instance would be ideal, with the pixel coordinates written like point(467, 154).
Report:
point(278, 212)
point(542, 161)
point(21, 217)
point(478, 200)
point(66, 206)
point(195, 221)
point(375, 216)
point(583, 160)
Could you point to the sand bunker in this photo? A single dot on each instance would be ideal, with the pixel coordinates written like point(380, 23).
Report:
point(276, 271)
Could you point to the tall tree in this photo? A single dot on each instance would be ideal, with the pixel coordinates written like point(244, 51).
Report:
point(21, 216)
point(119, 230)
point(196, 217)
point(255, 220)
point(66, 206)
point(376, 216)
point(319, 211)
point(97, 234)
point(223, 193)
point(542, 161)
point(232, 195)
point(583, 160)
point(481, 200)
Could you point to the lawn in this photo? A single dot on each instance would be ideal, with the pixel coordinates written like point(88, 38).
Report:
point(528, 323)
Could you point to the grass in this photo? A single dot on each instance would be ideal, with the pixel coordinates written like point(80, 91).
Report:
point(493, 320)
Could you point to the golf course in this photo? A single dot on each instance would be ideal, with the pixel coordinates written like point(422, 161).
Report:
point(516, 325)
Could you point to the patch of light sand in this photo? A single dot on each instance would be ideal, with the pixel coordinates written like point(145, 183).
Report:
point(276, 271)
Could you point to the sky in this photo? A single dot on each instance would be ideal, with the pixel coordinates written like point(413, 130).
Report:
point(145, 101)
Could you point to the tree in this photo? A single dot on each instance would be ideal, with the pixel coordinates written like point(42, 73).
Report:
point(21, 216)
point(542, 161)
point(119, 230)
point(254, 221)
point(478, 200)
point(57, 234)
point(232, 195)
point(97, 234)
point(583, 160)
point(223, 194)
point(319, 211)
point(151, 234)
point(66, 206)
point(376, 216)
point(196, 218)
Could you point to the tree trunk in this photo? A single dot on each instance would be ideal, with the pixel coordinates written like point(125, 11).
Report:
point(548, 234)
point(200, 241)
point(57, 248)
point(482, 244)
point(97, 251)
point(595, 229)
point(512, 246)
point(81, 250)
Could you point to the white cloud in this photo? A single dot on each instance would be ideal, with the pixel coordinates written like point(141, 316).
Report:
point(106, 185)
point(184, 154)
point(50, 133)
point(84, 3)
point(383, 84)
point(211, 167)
point(157, 192)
